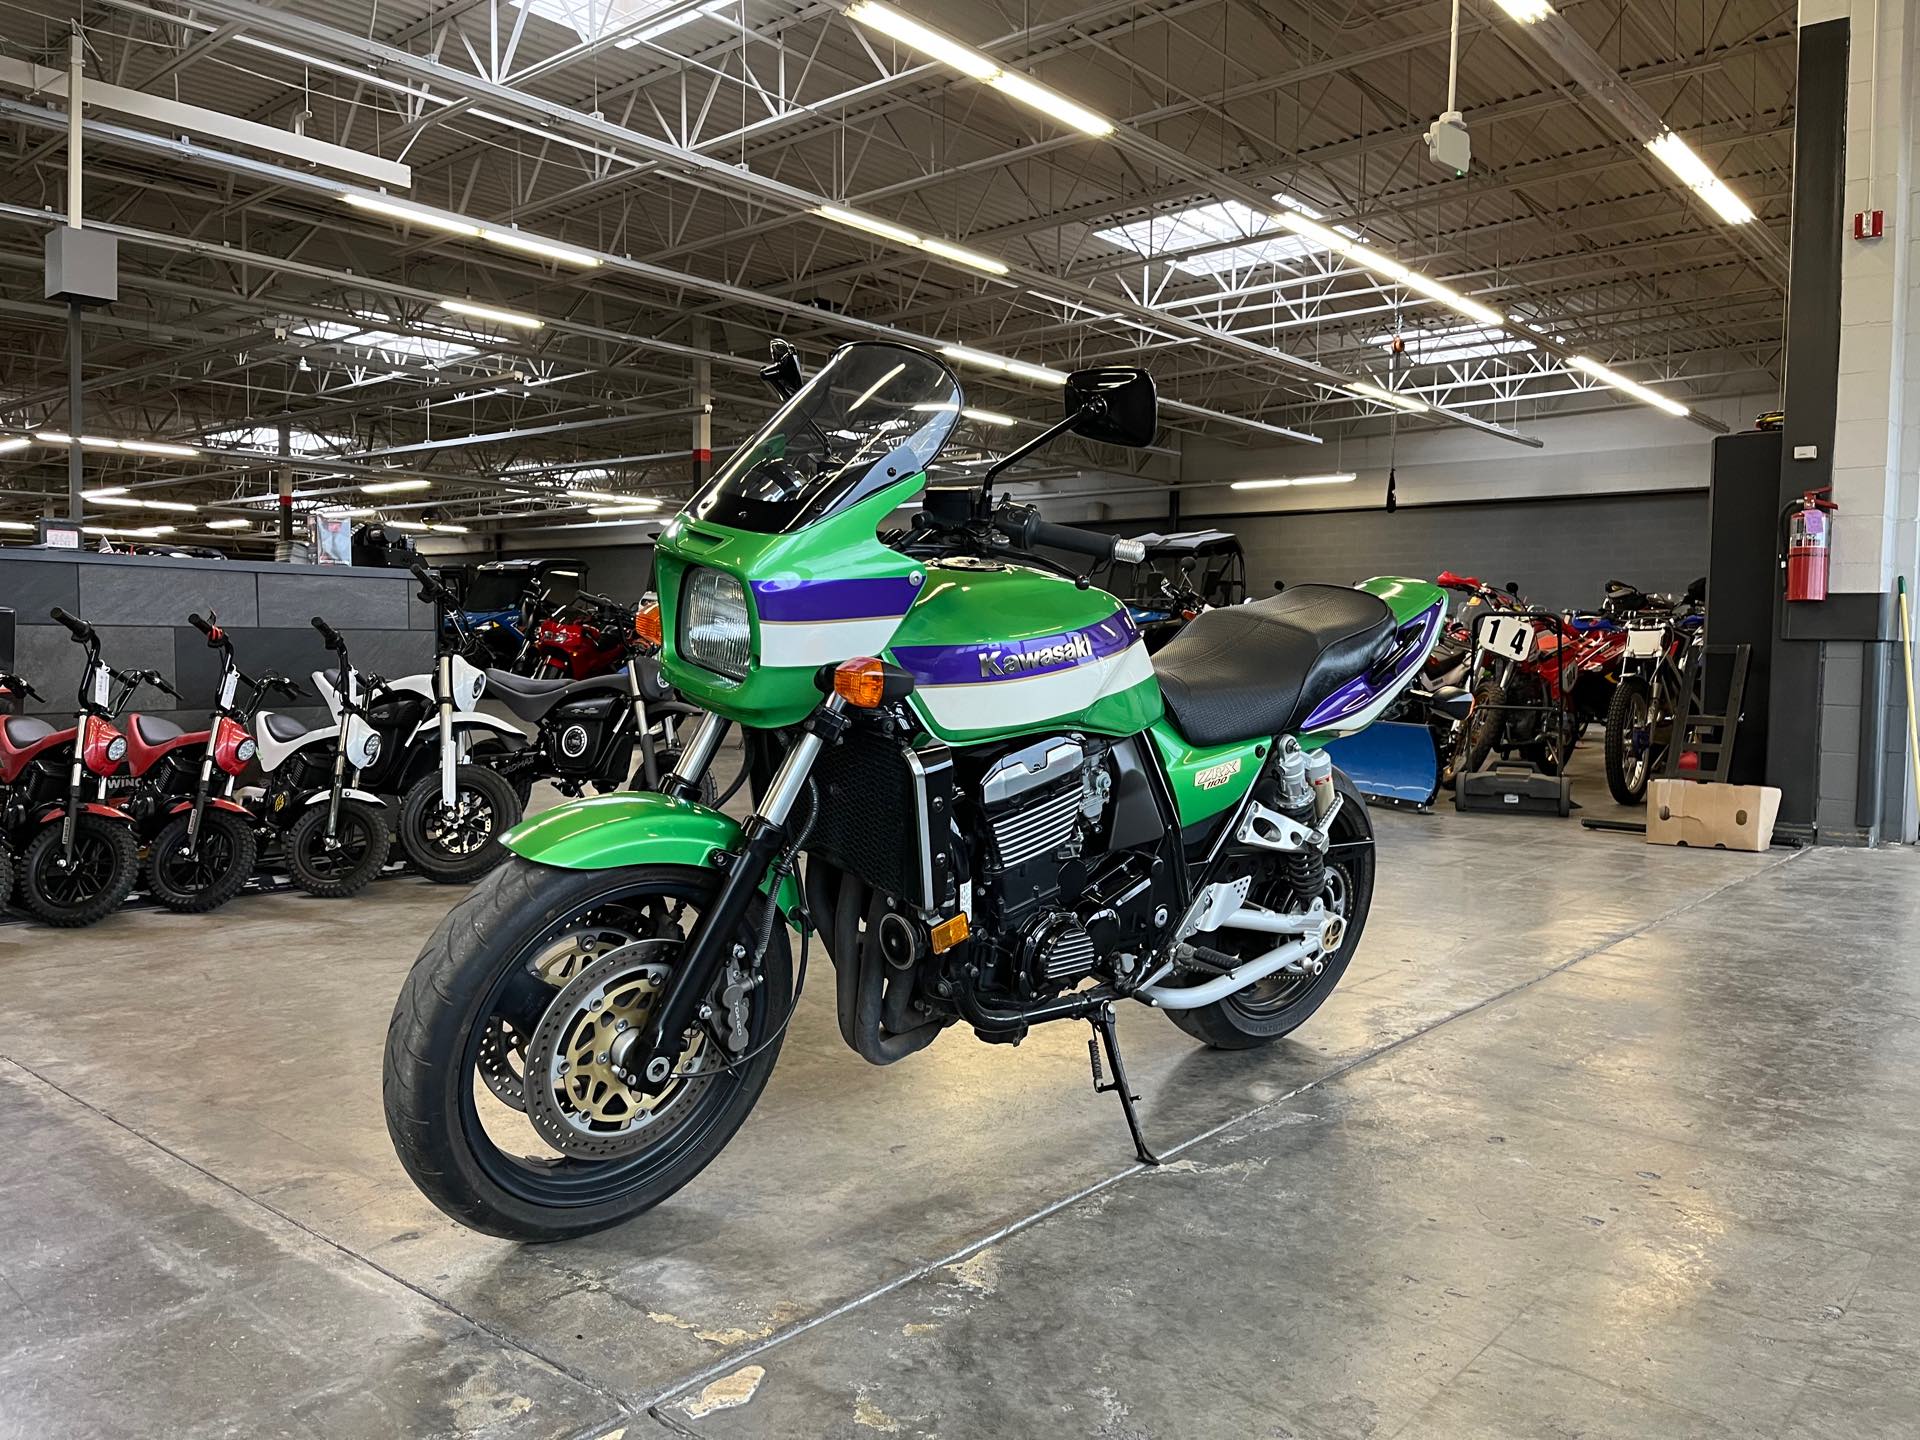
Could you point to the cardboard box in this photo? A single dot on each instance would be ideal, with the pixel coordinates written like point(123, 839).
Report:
point(1720, 817)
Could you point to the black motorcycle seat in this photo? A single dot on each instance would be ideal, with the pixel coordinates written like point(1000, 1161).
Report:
point(1260, 669)
point(530, 699)
point(282, 727)
point(24, 730)
point(154, 731)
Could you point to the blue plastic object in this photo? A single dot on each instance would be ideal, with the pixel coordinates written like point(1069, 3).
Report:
point(1388, 761)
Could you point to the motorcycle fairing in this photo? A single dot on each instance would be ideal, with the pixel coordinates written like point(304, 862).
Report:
point(606, 832)
point(16, 758)
point(1421, 612)
point(274, 752)
point(141, 755)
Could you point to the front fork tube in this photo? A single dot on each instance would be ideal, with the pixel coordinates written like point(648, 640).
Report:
point(71, 823)
point(695, 757)
point(649, 761)
point(715, 942)
point(448, 760)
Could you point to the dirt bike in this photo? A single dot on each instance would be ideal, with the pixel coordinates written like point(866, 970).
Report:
point(78, 856)
point(1009, 815)
point(1660, 631)
point(200, 845)
point(1540, 679)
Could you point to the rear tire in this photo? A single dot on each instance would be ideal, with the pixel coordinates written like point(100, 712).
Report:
point(106, 862)
point(1630, 713)
point(345, 867)
point(223, 864)
point(483, 954)
point(1482, 728)
point(486, 806)
point(1244, 1020)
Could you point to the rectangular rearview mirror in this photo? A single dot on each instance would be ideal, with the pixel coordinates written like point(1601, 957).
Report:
point(1113, 404)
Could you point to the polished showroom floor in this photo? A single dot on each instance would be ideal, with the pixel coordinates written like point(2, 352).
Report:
point(1596, 1139)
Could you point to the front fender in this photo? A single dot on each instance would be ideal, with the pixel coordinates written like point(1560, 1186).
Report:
point(628, 827)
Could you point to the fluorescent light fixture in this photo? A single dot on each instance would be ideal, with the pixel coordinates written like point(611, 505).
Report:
point(1411, 403)
point(930, 43)
point(412, 215)
point(534, 245)
point(604, 496)
point(1527, 12)
point(988, 417)
point(229, 524)
point(26, 525)
point(126, 500)
point(976, 66)
point(713, 9)
point(394, 487)
point(1387, 267)
point(1631, 387)
point(360, 512)
point(158, 447)
point(404, 525)
point(1032, 93)
point(14, 442)
point(105, 492)
point(1343, 478)
point(499, 317)
point(1037, 373)
point(1694, 173)
point(936, 407)
point(900, 235)
point(447, 527)
point(872, 226)
point(632, 507)
point(120, 497)
point(179, 506)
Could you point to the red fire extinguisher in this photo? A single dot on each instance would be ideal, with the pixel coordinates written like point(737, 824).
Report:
point(1809, 538)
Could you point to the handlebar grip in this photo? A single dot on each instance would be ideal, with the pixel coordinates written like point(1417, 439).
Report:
point(1091, 543)
point(79, 629)
point(199, 623)
point(329, 634)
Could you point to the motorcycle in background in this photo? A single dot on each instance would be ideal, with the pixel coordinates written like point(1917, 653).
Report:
point(78, 856)
point(1660, 631)
point(201, 847)
point(589, 637)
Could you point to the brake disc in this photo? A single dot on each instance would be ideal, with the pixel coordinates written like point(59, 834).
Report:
point(502, 1061)
point(576, 1096)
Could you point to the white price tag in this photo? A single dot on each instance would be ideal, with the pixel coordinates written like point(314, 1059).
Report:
point(1508, 636)
point(102, 686)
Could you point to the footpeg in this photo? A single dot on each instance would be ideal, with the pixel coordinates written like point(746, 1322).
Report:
point(1106, 1032)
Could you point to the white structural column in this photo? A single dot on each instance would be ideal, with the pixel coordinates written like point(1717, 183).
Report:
point(1876, 452)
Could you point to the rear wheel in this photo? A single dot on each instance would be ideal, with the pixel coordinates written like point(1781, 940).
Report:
point(1480, 731)
point(88, 886)
point(457, 846)
point(344, 863)
point(1281, 1003)
point(502, 1096)
point(209, 876)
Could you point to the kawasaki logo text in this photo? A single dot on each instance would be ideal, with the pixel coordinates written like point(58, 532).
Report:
point(1073, 650)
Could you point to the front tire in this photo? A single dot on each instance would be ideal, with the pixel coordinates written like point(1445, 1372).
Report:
point(106, 862)
point(497, 967)
point(1282, 1003)
point(345, 864)
point(221, 864)
point(458, 849)
point(1481, 730)
point(1630, 748)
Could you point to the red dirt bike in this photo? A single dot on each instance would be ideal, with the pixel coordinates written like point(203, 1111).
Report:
point(1449, 669)
point(201, 847)
point(1539, 680)
point(78, 855)
point(589, 637)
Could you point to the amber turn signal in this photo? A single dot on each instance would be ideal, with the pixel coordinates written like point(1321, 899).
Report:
point(949, 933)
point(861, 681)
point(646, 624)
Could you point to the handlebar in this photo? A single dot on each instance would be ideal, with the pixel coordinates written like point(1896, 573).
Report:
point(1022, 524)
point(216, 637)
point(79, 629)
point(432, 587)
point(13, 684)
point(330, 635)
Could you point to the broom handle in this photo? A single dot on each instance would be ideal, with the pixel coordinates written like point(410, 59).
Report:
point(1913, 724)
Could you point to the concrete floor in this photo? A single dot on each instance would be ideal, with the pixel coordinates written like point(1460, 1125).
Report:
point(1596, 1139)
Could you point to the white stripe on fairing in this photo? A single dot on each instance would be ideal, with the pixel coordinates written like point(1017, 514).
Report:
point(1033, 699)
point(793, 643)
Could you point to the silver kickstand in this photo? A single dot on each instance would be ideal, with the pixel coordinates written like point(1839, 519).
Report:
point(1108, 1035)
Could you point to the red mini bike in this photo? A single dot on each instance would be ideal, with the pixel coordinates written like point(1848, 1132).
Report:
point(589, 637)
point(78, 855)
point(200, 845)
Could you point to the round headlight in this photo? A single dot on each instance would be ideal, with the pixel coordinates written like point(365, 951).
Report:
point(245, 750)
point(117, 748)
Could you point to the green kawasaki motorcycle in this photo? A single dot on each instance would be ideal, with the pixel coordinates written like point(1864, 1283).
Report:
point(1008, 814)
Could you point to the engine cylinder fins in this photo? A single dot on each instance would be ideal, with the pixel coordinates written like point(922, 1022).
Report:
point(1041, 828)
point(1056, 952)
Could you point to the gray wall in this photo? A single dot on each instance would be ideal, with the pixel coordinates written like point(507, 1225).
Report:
point(1561, 552)
point(139, 605)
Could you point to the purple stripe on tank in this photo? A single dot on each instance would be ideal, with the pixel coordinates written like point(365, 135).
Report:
point(1017, 659)
point(788, 601)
